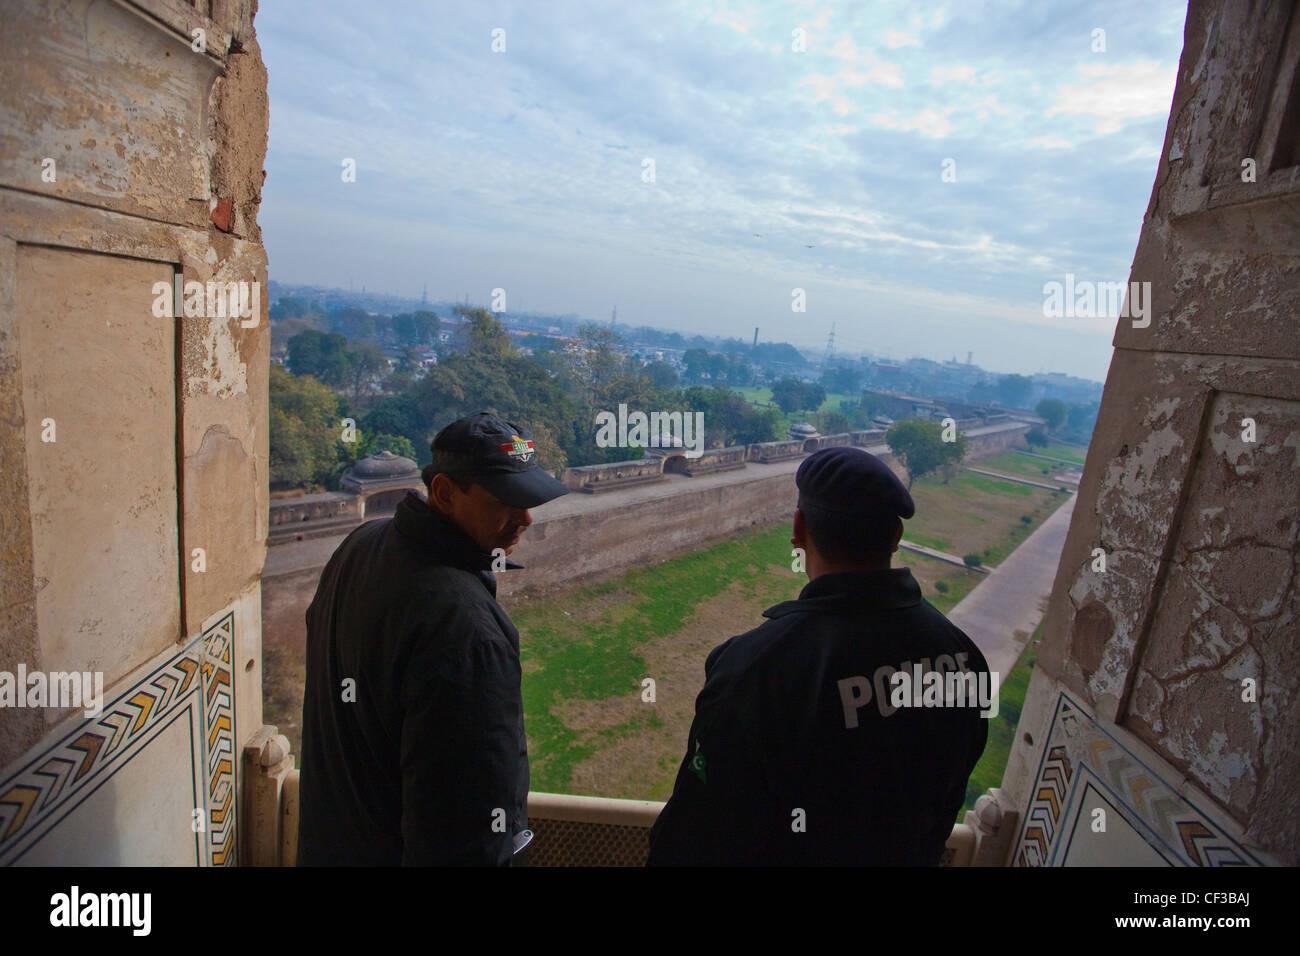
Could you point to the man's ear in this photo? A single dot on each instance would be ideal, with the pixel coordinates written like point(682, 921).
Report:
point(440, 491)
point(799, 537)
point(898, 536)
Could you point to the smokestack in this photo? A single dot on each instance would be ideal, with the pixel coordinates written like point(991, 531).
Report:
point(969, 356)
point(756, 336)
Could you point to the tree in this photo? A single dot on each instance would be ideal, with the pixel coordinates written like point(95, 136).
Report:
point(1053, 411)
point(740, 373)
point(1081, 420)
point(662, 375)
point(696, 362)
point(289, 307)
point(1013, 390)
point(353, 323)
point(919, 445)
point(365, 362)
point(398, 415)
point(375, 442)
point(492, 376)
point(791, 395)
point(415, 328)
point(322, 355)
point(304, 430)
point(788, 394)
point(1036, 436)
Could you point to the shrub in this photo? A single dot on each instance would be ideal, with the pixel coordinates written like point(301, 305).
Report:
point(1026, 520)
point(972, 560)
point(941, 586)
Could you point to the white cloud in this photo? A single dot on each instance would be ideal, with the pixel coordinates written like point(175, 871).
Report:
point(733, 19)
point(1114, 94)
point(1145, 152)
point(844, 48)
point(894, 39)
point(952, 74)
point(928, 122)
point(878, 71)
point(1051, 142)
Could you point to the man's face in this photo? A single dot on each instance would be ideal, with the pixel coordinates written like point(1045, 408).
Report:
point(489, 521)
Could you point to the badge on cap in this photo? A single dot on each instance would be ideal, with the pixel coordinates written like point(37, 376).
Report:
point(522, 448)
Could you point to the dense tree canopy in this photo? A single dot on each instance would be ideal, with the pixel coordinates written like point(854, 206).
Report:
point(1052, 411)
point(305, 430)
point(919, 445)
point(792, 395)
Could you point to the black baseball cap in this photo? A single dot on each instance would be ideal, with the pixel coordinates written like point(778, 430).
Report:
point(850, 481)
point(496, 454)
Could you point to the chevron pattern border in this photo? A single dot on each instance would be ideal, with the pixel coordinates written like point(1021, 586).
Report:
point(219, 741)
point(1162, 816)
point(44, 784)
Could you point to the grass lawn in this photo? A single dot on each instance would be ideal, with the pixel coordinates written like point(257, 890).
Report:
point(1068, 452)
point(1017, 463)
point(763, 396)
point(976, 514)
point(586, 650)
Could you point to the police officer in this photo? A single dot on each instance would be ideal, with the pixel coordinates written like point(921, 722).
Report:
point(413, 748)
point(844, 729)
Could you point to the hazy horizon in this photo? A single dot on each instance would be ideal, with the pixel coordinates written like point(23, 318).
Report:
point(774, 169)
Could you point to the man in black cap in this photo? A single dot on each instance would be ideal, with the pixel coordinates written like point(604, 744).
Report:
point(413, 748)
point(809, 745)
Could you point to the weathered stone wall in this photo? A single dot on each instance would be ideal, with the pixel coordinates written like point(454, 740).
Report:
point(776, 450)
point(1174, 664)
point(288, 511)
point(613, 474)
point(135, 443)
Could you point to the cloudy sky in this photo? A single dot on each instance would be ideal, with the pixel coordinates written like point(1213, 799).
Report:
point(686, 163)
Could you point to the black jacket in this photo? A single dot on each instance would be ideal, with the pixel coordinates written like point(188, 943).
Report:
point(422, 758)
point(790, 761)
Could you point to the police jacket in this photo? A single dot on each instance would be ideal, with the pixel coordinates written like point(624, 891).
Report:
point(413, 748)
point(797, 754)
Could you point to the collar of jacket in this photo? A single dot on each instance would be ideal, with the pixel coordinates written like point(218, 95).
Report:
point(854, 591)
point(441, 538)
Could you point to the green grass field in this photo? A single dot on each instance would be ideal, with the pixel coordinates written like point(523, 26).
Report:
point(974, 514)
point(1018, 463)
point(1066, 452)
point(763, 395)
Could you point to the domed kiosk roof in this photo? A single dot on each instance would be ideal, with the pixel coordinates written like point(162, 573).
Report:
point(801, 430)
point(384, 465)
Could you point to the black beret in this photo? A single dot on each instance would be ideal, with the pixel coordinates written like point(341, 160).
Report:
point(852, 481)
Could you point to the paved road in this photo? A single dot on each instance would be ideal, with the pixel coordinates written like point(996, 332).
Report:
point(1000, 615)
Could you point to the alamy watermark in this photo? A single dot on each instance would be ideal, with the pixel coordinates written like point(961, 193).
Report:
point(129, 910)
point(1082, 299)
point(210, 300)
point(656, 430)
point(55, 689)
point(948, 683)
